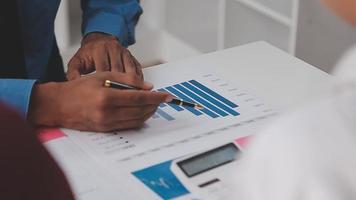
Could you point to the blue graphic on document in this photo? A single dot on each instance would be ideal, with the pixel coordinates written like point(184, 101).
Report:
point(161, 180)
point(215, 105)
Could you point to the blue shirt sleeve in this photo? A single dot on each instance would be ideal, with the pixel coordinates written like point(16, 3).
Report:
point(16, 93)
point(115, 17)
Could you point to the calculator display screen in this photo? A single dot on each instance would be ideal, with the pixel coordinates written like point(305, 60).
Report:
point(209, 160)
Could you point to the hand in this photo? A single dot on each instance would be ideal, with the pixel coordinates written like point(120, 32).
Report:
point(85, 103)
point(102, 52)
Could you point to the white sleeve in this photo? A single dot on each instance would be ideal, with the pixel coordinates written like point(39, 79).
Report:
point(345, 68)
point(307, 155)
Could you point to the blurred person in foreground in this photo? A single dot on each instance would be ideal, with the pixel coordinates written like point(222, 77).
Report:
point(308, 154)
point(27, 170)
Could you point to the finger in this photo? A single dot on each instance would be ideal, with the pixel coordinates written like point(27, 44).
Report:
point(115, 60)
point(75, 66)
point(123, 124)
point(137, 98)
point(101, 60)
point(130, 113)
point(129, 64)
point(138, 67)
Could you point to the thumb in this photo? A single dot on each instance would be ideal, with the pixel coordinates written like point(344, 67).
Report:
point(73, 74)
point(74, 69)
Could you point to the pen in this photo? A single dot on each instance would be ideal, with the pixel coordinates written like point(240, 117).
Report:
point(117, 85)
point(122, 86)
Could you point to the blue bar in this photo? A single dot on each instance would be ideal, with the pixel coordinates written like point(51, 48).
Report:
point(184, 98)
point(214, 94)
point(175, 107)
point(164, 114)
point(201, 101)
point(209, 98)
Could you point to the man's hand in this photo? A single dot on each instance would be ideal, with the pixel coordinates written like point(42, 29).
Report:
point(85, 103)
point(102, 52)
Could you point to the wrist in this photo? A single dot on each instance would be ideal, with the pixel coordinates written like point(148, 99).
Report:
point(97, 35)
point(45, 109)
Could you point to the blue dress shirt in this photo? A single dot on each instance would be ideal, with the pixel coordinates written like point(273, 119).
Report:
point(36, 18)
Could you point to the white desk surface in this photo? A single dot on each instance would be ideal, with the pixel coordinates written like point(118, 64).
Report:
point(277, 77)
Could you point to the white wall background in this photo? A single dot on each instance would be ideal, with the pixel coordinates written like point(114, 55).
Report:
point(174, 29)
point(322, 37)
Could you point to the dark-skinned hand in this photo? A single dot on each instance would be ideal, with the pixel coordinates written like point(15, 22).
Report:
point(85, 104)
point(102, 52)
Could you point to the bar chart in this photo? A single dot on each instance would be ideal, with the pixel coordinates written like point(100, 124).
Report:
point(215, 105)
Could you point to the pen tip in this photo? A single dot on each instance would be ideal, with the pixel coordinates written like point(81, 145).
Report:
point(199, 107)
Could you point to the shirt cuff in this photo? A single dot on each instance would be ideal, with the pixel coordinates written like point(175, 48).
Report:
point(110, 24)
point(17, 93)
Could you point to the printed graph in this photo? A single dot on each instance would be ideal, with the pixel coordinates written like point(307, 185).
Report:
point(215, 105)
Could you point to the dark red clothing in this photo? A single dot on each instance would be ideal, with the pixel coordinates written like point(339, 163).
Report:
point(27, 171)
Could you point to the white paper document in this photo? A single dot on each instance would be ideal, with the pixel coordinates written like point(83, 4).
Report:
point(142, 160)
point(88, 180)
